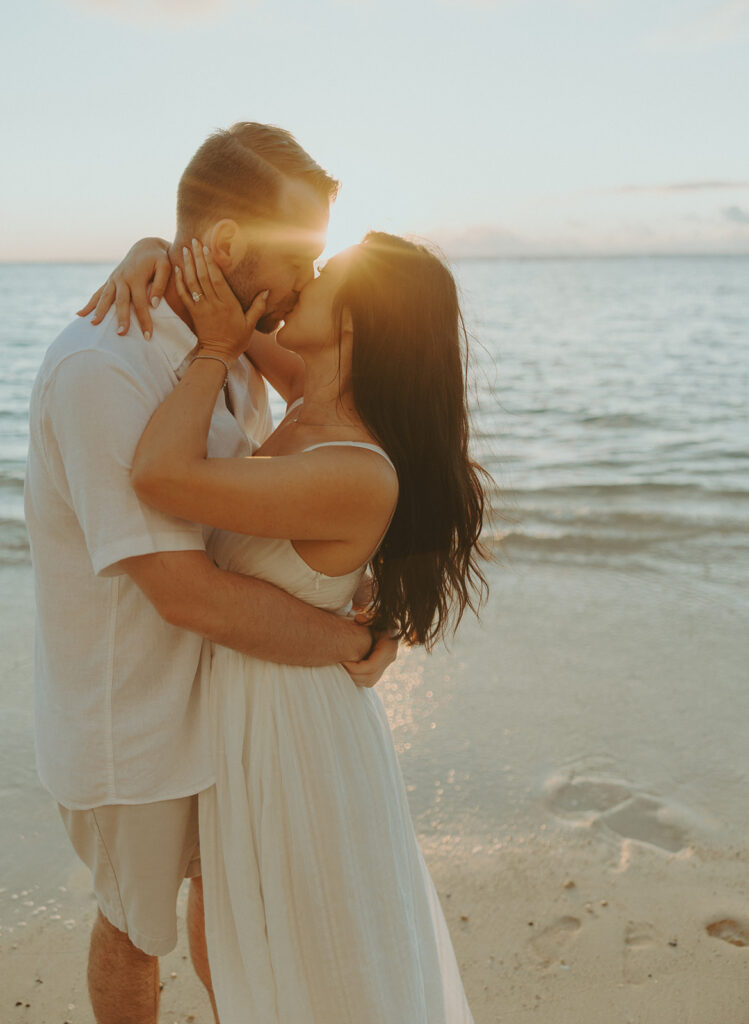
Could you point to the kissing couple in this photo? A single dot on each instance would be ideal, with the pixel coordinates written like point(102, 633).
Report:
point(204, 693)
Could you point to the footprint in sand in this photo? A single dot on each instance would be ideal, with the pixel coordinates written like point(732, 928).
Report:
point(582, 800)
point(548, 943)
point(639, 939)
point(647, 820)
point(730, 930)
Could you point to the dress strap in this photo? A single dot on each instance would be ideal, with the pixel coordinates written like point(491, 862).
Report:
point(294, 405)
point(352, 444)
point(338, 444)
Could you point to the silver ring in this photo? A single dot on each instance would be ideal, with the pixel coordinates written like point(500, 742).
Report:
point(196, 296)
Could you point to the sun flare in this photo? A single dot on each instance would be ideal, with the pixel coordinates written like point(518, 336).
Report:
point(350, 220)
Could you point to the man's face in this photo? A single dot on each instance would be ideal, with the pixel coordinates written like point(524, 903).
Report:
point(280, 254)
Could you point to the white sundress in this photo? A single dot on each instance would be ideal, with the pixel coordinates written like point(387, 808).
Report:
point(319, 905)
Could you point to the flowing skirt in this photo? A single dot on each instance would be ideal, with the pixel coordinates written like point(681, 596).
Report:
point(320, 908)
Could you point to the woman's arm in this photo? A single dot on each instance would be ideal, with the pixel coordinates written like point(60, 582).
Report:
point(325, 495)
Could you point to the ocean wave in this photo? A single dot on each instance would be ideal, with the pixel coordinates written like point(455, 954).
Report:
point(614, 516)
point(639, 488)
point(619, 420)
point(593, 519)
point(14, 542)
point(664, 544)
point(11, 479)
point(572, 542)
point(612, 536)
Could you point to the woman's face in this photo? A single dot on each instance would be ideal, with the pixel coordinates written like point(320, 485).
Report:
point(310, 324)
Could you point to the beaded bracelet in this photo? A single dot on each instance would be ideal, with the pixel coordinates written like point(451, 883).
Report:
point(218, 359)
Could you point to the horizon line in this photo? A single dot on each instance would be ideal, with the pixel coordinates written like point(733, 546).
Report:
point(634, 254)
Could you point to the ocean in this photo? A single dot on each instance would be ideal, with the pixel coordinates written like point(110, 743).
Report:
point(610, 401)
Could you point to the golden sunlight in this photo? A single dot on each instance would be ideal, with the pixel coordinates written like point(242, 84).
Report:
point(351, 216)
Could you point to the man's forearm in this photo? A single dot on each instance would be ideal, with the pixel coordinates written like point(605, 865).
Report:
point(257, 618)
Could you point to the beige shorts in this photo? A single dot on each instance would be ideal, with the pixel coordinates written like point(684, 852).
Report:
point(139, 855)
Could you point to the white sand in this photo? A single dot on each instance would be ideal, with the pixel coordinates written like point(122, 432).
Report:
point(579, 762)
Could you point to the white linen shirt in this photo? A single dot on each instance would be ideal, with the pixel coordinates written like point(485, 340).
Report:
point(118, 698)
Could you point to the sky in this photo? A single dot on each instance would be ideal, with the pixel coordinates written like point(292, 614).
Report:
point(494, 127)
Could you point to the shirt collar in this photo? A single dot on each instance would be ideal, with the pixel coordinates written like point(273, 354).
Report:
point(175, 339)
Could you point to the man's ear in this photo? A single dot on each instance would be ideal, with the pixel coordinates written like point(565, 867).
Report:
point(224, 241)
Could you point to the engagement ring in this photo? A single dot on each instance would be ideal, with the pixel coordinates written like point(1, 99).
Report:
point(196, 296)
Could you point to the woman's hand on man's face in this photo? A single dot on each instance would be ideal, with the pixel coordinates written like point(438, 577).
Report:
point(140, 278)
point(219, 321)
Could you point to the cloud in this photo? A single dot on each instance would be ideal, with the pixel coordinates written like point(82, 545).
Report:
point(736, 214)
point(680, 187)
point(719, 24)
point(598, 233)
point(148, 11)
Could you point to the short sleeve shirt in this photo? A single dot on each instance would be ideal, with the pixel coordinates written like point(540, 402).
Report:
point(118, 691)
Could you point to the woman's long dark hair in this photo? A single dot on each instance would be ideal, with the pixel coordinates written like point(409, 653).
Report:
point(409, 388)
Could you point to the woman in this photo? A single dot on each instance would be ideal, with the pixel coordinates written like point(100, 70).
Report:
point(319, 905)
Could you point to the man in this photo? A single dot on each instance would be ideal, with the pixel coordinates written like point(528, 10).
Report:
point(128, 599)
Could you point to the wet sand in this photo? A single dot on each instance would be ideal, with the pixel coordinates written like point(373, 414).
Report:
point(577, 768)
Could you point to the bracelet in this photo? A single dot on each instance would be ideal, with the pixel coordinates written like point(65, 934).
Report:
point(219, 359)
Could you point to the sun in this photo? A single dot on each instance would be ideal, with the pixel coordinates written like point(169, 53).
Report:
point(348, 225)
point(350, 220)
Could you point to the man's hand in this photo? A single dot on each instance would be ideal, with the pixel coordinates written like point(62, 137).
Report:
point(371, 669)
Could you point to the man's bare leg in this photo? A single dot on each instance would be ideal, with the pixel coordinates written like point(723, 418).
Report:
point(123, 981)
point(196, 937)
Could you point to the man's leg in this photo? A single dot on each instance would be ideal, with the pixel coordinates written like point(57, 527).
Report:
point(123, 981)
point(138, 855)
point(196, 937)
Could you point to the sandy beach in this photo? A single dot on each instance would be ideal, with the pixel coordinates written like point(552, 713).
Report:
point(577, 770)
point(543, 933)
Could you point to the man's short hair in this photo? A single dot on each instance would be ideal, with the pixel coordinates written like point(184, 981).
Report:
point(238, 173)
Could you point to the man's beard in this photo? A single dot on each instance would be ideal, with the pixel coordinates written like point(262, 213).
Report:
point(243, 282)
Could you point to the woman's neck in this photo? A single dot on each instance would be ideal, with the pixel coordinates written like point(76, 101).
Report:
point(326, 402)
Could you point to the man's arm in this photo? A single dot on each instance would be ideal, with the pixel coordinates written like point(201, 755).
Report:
point(243, 613)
